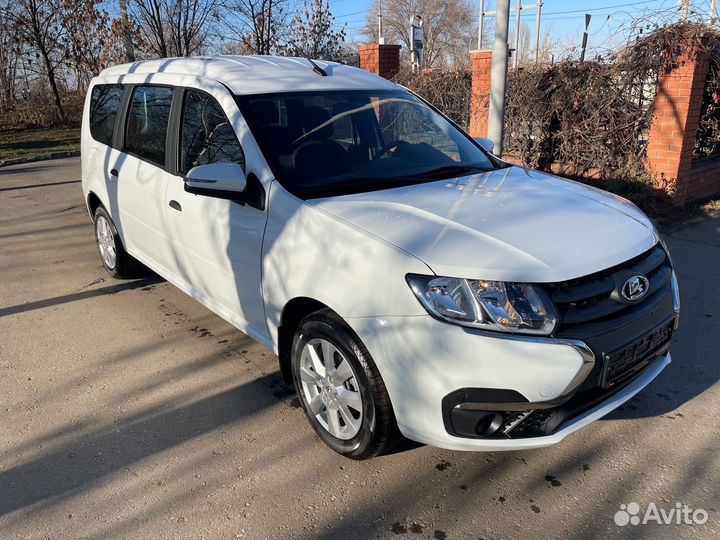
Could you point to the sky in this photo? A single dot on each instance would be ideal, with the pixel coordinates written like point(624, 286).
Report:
point(565, 19)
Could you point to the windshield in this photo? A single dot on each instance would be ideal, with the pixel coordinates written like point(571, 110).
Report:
point(323, 143)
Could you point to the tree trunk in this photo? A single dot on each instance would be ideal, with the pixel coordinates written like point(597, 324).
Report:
point(59, 112)
point(127, 38)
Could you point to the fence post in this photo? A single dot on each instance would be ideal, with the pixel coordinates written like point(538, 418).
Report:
point(479, 101)
point(676, 114)
point(383, 60)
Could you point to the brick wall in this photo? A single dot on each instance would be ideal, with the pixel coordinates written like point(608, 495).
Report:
point(383, 60)
point(674, 127)
point(480, 102)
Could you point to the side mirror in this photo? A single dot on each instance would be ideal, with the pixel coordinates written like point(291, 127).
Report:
point(222, 180)
point(485, 143)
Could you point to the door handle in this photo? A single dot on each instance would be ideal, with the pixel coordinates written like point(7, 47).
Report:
point(113, 172)
point(175, 205)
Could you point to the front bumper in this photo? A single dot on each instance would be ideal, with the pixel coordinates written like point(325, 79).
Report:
point(422, 361)
point(568, 428)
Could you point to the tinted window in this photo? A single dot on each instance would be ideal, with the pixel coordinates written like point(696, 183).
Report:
point(207, 136)
point(147, 122)
point(104, 105)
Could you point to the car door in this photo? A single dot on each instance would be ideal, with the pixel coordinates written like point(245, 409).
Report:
point(217, 242)
point(142, 179)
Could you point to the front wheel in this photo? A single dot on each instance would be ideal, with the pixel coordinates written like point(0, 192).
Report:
point(340, 388)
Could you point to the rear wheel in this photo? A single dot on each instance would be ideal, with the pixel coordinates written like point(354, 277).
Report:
point(115, 259)
point(340, 388)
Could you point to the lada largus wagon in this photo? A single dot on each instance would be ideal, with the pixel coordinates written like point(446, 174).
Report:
point(410, 282)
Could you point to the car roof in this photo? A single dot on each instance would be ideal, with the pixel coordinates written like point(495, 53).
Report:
point(258, 74)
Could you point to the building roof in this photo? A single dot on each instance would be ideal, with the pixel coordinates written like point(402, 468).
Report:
point(259, 74)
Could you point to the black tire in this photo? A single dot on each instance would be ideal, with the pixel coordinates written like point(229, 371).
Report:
point(378, 432)
point(125, 265)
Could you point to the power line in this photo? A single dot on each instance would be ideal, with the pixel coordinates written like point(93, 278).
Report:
point(600, 8)
point(545, 14)
point(351, 14)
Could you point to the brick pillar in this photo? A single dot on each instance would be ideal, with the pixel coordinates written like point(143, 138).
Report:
point(678, 105)
point(480, 100)
point(383, 60)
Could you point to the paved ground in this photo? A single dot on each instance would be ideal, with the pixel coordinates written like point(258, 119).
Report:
point(128, 410)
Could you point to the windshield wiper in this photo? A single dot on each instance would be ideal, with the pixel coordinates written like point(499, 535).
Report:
point(370, 183)
point(341, 187)
point(448, 171)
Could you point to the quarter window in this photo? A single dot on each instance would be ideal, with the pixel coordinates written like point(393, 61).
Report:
point(147, 122)
point(207, 136)
point(104, 105)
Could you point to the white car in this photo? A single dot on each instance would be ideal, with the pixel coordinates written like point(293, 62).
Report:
point(409, 282)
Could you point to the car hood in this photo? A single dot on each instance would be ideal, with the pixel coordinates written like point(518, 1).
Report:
point(512, 224)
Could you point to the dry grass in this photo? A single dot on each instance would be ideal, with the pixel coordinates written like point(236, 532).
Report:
point(36, 142)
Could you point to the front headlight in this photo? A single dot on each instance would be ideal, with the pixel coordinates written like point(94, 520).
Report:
point(491, 305)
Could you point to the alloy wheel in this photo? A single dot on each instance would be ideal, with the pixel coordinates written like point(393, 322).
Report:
point(331, 389)
point(106, 242)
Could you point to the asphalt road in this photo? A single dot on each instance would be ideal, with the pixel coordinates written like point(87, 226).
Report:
point(128, 410)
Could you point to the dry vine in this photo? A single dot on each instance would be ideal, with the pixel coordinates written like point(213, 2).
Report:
point(593, 118)
point(449, 90)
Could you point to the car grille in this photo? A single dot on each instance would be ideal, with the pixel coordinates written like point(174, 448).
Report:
point(590, 299)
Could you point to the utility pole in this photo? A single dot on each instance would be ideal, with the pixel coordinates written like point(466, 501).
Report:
point(516, 53)
point(585, 37)
point(537, 31)
point(480, 24)
point(498, 76)
point(381, 37)
point(712, 19)
point(684, 6)
point(416, 42)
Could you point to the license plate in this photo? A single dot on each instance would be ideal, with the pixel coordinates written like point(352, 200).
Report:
point(629, 359)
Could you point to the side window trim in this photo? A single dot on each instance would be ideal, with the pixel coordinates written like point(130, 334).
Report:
point(119, 132)
point(173, 142)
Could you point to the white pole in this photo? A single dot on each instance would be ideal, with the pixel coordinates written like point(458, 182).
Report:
point(498, 76)
point(684, 5)
point(712, 19)
point(516, 55)
point(413, 53)
point(480, 24)
point(537, 31)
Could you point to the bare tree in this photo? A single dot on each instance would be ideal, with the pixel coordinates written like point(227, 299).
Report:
point(8, 58)
point(312, 35)
point(447, 26)
point(173, 27)
point(188, 24)
point(258, 26)
point(38, 26)
point(89, 41)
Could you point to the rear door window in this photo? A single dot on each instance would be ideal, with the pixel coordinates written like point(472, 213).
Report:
point(207, 136)
point(104, 104)
point(147, 122)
